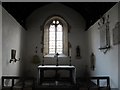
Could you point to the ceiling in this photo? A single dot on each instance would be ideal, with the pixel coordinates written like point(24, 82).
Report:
point(91, 11)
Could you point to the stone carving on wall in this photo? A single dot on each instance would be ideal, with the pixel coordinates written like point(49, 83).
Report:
point(116, 34)
point(103, 26)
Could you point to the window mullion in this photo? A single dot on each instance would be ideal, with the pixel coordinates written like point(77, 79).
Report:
point(55, 38)
point(48, 40)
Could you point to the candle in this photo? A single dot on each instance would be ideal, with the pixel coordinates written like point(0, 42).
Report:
point(70, 52)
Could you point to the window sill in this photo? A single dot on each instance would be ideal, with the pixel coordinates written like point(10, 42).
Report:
point(52, 55)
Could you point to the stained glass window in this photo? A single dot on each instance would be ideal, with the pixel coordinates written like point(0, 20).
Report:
point(55, 37)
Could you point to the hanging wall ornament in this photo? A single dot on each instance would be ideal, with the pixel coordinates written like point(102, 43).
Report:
point(78, 53)
point(13, 56)
point(92, 60)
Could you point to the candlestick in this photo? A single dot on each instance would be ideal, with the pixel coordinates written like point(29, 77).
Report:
point(43, 61)
point(70, 61)
point(57, 59)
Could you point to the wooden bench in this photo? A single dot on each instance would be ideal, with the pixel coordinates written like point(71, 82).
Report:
point(17, 83)
point(96, 81)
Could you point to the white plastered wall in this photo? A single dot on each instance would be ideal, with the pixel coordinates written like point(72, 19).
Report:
point(105, 64)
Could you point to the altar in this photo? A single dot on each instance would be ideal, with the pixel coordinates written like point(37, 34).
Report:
point(42, 68)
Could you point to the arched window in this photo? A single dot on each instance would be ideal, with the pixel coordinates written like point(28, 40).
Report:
point(55, 36)
point(55, 41)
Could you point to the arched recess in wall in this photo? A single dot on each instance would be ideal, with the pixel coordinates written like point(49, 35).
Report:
point(61, 48)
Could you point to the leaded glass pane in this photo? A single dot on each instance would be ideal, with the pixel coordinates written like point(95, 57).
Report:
point(51, 35)
point(52, 28)
point(51, 45)
point(59, 44)
point(59, 35)
point(54, 21)
point(57, 22)
point(59, 28)
point(51, 50)
point(59, 50)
